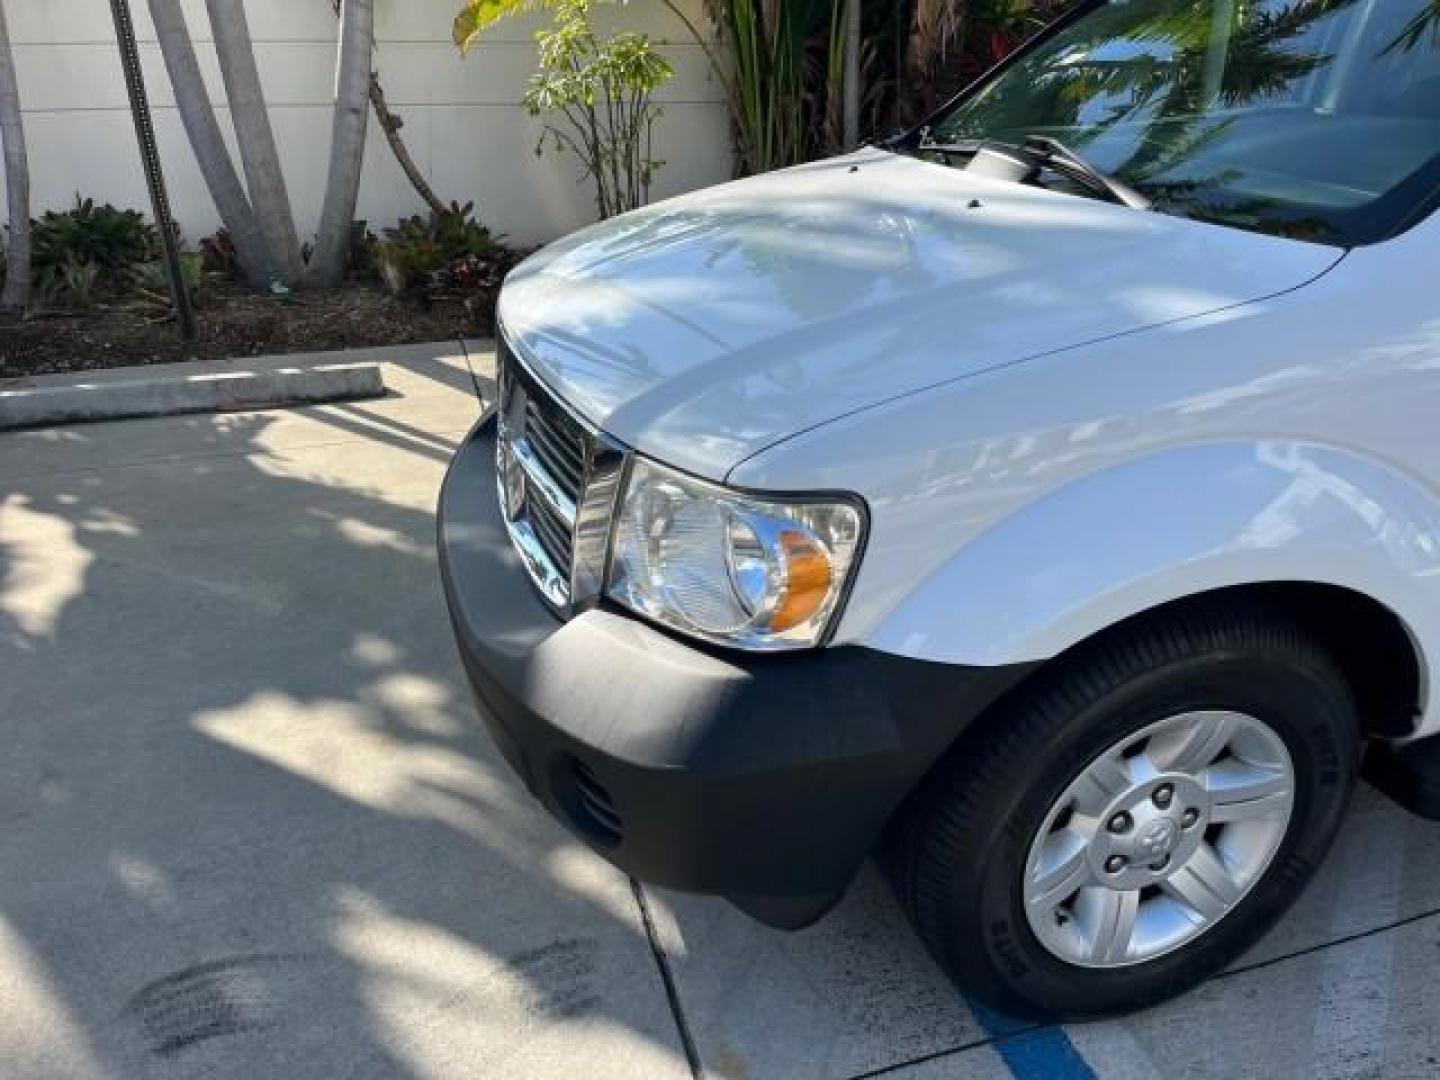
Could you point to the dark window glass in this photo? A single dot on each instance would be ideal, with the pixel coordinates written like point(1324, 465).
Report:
point(1317, 119)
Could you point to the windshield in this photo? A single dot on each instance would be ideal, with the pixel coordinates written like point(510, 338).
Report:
point(1314, 119)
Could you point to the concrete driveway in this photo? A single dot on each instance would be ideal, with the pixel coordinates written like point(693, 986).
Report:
point(248, 828)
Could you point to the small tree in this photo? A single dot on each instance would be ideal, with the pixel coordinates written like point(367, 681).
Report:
point(601, 96)
point(598, 95)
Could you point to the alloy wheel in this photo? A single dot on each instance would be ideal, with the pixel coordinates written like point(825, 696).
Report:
point(1159, 838)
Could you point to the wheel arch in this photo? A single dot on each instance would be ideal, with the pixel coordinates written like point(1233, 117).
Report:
point(1348, 546)
point(1373, 647)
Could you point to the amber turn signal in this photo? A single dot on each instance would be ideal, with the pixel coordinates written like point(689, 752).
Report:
point(807, 581)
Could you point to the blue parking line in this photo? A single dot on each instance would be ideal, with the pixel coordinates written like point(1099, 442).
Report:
point(1033, 1053)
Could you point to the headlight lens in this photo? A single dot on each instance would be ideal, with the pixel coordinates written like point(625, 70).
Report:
point(729, 568)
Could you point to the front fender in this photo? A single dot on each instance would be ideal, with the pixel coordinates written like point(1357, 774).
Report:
point(1170, 525)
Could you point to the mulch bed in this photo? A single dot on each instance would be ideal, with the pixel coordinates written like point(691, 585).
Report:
point(233, 323)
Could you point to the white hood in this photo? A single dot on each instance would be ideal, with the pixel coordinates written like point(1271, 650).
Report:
point(704, 329)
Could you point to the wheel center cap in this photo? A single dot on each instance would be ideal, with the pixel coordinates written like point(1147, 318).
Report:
point(1149, 831)
point(1158, 838)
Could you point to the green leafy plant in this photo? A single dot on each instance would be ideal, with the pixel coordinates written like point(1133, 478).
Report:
point(220, 256)
point(412, 254)
point(152, 284)
point(757, 52)
point(75, 281)
point(109, 238)
point(597, 95)
point(477, 16)
point(784, 65)
point(408, 266)
point(600, 93)
point(454, 231)
point(75, 249)
point(768, 80)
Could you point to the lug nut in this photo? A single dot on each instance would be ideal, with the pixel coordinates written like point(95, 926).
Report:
point(1115, 864)
point(1164, 796)
point(1190, 819)
point(1121, 823)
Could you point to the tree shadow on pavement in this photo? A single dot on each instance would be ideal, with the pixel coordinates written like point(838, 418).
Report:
point(247, 824)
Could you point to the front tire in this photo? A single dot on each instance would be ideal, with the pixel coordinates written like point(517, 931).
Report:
point(1136, 817)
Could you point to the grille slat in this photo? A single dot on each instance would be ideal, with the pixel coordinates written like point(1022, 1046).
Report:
point(563, 460)
point(559, 428)
point(557, 423)
point(554, 537)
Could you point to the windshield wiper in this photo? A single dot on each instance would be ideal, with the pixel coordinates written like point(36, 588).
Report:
point(1056, 155)
point(1043, 152)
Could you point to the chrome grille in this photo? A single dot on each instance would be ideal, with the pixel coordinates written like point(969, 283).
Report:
point(555, 534)
point(558, 483)
point(558, 444)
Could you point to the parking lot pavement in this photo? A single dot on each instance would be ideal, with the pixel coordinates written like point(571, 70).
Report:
point(248, 827)
point(1342, 988)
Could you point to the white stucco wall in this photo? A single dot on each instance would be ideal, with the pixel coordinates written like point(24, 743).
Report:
point(463, 122)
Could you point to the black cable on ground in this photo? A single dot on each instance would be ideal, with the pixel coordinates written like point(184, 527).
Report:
point(672, 993)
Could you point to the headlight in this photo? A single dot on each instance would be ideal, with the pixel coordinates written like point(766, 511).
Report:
point(728, 568)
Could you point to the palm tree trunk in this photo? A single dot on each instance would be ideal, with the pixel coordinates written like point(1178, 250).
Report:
point(208, 145)
point(854, 32)
point(17, 179)
point(347, 143)
point(391, 124)
point(263, 175)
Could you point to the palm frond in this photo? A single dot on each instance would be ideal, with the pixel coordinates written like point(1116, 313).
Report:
point(477, 16)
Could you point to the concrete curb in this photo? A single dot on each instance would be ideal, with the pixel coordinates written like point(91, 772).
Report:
point(227, 391)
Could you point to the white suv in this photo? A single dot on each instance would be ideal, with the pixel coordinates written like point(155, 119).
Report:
point(1048, 500)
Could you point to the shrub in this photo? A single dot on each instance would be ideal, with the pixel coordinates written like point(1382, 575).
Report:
point(408, 266)
point(220, 256)
point(75, 249)
point(76, 281)
point(598, 98)
point(414, 255)
point(597, 95)
point(454, 232)
point(151, 281)
point(476, 282)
